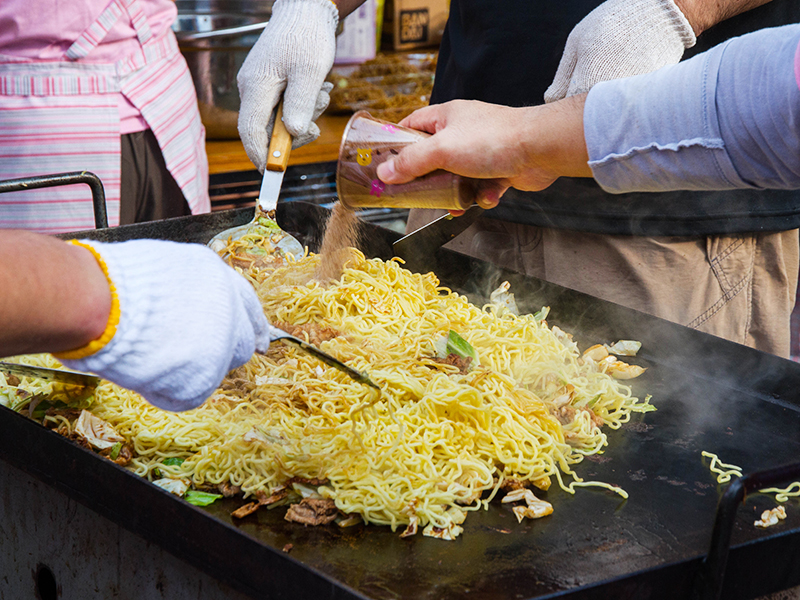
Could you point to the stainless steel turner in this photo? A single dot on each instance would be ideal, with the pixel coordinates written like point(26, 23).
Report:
point(47, 374)
point(263, 222)
point(361, 377)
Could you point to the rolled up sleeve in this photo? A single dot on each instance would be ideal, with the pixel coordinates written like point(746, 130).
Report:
point(726, 119)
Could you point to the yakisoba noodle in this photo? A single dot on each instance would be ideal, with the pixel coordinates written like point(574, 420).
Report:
point(434, 443)
point(725, 472)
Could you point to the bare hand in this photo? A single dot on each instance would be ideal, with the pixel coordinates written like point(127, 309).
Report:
point(524, 148)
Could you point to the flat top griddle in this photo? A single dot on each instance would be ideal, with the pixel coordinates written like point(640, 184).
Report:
point(711, 395)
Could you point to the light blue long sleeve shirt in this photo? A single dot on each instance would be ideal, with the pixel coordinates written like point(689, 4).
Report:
point(726, 119)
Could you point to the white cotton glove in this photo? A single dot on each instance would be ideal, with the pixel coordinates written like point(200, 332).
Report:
point(295, 52)
point(620, 38)
point(185, 320)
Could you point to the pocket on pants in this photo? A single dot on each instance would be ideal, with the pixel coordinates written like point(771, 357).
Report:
point(727, 309)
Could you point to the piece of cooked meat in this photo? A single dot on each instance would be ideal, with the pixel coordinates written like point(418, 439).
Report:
point(261, 500)
point(237, 384)
point(124, 457)
point(265, 500)
point(597, 420)
point(245, 260)
point(228, 490)
point(509, 485)
point(246, 510)
point(313, 481)
point(316, 333)
point(70, 414)
point(565, 414)
point(454, 360)
point(312, 511)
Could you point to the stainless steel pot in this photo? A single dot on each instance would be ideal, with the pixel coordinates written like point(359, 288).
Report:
point(215, 36)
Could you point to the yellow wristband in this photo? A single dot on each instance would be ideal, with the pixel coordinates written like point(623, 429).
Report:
point(113, 317)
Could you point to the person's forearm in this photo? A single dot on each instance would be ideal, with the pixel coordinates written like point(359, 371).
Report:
point(347, 6)
point(704, 14)
point(54, 295)
point(553, 138)
point(725, 119)
point(525, 148)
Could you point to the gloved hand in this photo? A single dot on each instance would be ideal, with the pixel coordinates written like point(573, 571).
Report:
point(295, 52)
point(185, 319)
point(620, 38)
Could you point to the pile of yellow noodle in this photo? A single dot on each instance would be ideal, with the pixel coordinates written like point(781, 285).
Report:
point(432, 440)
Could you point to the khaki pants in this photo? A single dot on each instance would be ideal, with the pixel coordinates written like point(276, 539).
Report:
point(740, 287)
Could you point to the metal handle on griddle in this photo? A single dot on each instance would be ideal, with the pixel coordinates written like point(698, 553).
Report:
point(44, 181)
point(279, 334)
point(710, 576)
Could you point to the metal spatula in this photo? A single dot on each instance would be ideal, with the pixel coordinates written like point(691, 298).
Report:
point(47, 374)
point(263, 223)
point(418, 248)
point(280, 334)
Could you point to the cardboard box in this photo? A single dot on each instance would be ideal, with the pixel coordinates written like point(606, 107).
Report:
point(411, 24)
point(357, 42)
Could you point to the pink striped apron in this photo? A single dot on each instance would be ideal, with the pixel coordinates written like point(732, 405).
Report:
point(61, 116)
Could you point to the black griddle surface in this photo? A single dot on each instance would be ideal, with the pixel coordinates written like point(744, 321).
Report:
point(711, 395)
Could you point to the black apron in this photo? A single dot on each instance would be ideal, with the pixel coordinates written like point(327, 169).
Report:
point(507, 52)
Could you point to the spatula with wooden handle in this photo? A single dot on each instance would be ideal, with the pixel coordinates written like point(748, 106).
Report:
point(263, 225)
